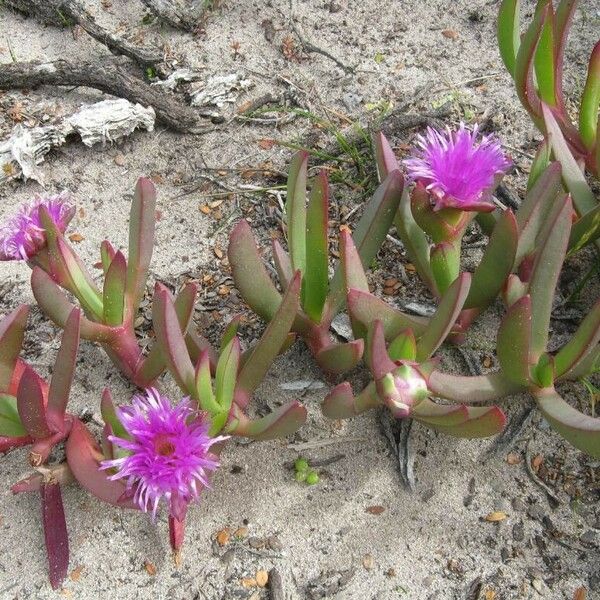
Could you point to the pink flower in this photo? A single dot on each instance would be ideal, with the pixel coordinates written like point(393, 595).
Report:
point(457, 170)
point(22, 236)
point(168, 452)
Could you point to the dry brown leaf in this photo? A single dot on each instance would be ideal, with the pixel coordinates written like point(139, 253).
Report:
point(76, 237)
point(496, 516)
point(266, 144)
point(375, 509)
point(536, 462)
point(205, 209)
point(150, 568)
point(580, 594)
point(223, 536)
point(513, 458)
point(218, 252)
point(262, 577)
point(248, 582)
point(451, 34)
point(490, 595)
point(76, 573)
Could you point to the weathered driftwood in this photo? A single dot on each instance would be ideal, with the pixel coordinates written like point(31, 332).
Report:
point(219, 90)
point(182, 14)
point(106, 75)
point(104, 121)
point(72, 12)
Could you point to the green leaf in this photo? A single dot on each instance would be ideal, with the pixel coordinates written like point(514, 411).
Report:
point(445, 316)
point(283, 264)
point(206, 397)
point(227, 372)
point(384, 155)
point(514, 342)
point(316, 276)
point(544, 57)
point(580, 430)
point(109, 414)
point(370, 231)
point(142, 219)
point(12, 331)
point(583, 197)
point(585, 231)
point(62, 374)
point(249, 273)
point(283, 421)
point(341, 403)
point(403, 346)
point(540, 163)
point(590, 101)
point(496, 264)
point(339, 358)
point(230, 332)
point(107, 253)
point(445, 264)
point(482, 421)
point(295, 210)
point(113, 293)
point(472, 389)
point(10, 423)
point(549, 258)
point(352, 267)
point(446, 415)
point(508, 33)
point(583, 341)
point(263, 354)
point(543, 372)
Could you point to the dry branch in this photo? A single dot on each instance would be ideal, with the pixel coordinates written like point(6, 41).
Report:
point(181, 14)
point(71, 12)
point(107, 76)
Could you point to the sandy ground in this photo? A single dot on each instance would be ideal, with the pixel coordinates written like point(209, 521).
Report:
point(357, 534)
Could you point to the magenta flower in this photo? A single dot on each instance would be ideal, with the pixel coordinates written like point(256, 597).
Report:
point(22, 236)
point(456, 169)
point(168, 452)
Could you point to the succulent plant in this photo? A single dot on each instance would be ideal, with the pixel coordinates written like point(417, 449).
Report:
point(535, 61)
point(33, 412)
point(307, 235)
point(35, 235)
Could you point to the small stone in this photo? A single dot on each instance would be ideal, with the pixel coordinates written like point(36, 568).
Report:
point(368, 562)
point(274, 543)
point(256, 542)
point(535, 512)
point(119, 160)
point(518, 532)
point(518, 504)
point(589, 537)
point(223, 536)
point(150, 568)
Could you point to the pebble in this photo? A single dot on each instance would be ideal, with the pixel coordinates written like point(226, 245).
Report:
point(518, 504)
point(518, 532)
point(590, 537)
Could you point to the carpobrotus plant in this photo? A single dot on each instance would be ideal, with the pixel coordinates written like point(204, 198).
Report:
point(307, 233)
point(35, 235)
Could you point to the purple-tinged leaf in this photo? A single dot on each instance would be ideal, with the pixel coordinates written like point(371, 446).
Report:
point(176, 534)
point(544, 277)
point(109, 414)
point(53, 301)
point(107, 253)
point(31, 405)
point(12, 330)
point(377, 358)
point(283, 421)
point(230, 332)
point(55, 533)
point(169, 336)
point(577, 428)
point(197, 344)
point(496, 264)
point(352, 267)
point(534, 210)
point(364, 308)
point(446, 415)
point(583, 341)
point(444, 259)
point(544, 57)
point(113, 293)
point(84, 457)
point(283, 264)
point(295, 211)
point(523, 73)
point(370, 232)
point(444, 318)
point(341, 403)
point(316, 276)
point(249, 273)
point(590, 101)
point(415, 241)
point(514, 342)
point(385, 157)
point(204, 388)
point(142, 219)
point(339, 358)
point(508, 33)
point(10, 422)
point(583, 197)
point(262, 355)
point(60, 474)
point(481, 422)
point(227, 372)
point(472, 389)
point(62, 374)
point(541, 161)
point(403, 346)
point(8, 442)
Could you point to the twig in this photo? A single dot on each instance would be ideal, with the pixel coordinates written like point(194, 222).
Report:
point(179, 15)
point(552, 497)
point(63, 12)
point(106, 75)
point(310, 47)
point(397, 433)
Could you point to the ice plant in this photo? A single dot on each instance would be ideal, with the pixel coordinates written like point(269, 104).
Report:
point(535, 61)
point(459, 169)
point(23, 237)
point(36, 235)
point(307, 237)
point(36, 415)
point(454, 178)
point(167, 455)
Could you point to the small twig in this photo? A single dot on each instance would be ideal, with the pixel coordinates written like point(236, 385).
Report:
point(310, 47)
point(397, 433)
point(552, 497)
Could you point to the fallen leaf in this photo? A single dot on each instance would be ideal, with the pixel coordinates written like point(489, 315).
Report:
point(150, 568)
point(223, 536)
point(266, 144)
point(76, 237)
point(205, 209)
point(451, 34)
point(513, 458)
point(496, 516)
point(262, 577)
point(248, 582)
point(580, 594)
point(490, 595)
point(76, 573)
point(536, 462)
point(241, 532)
point(374, 510)
point(218, 252)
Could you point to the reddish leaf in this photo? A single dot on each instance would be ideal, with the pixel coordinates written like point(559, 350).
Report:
point(55, 533)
